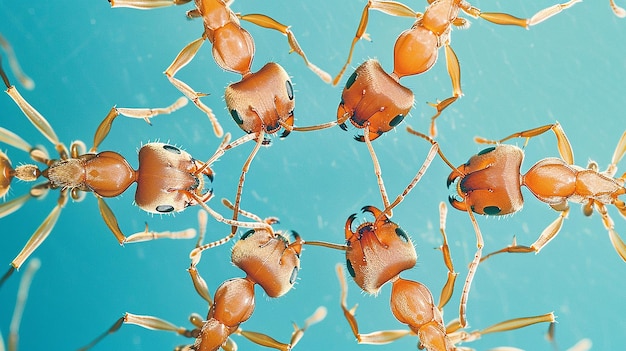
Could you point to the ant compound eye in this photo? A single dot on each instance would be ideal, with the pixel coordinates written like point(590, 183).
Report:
point(236, 117)
point(172, 149)
point(487, 150)
point(402, 234)
point(396, 120)
point(294, 275)
point(245, 235)
point(351, 80)
point(289, 89)
point(165, 208)
point(492, 210)
point(350, 268)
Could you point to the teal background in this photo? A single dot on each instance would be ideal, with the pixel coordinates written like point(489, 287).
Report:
point(86, 57)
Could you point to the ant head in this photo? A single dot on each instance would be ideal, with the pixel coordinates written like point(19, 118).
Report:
point(378, 251)
point(373, 98)
point(165, 177)
point(489, 183)
point(268, 259)
point(262, 101)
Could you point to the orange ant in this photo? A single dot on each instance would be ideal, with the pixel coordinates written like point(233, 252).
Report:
point(378, 252)
point(372, 98)
point(268, 258)
point(251, 102)
point(490, 182)
point(168, 178)
point(262, 102)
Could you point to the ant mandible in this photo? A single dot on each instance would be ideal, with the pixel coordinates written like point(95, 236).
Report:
point(378, 252)
point(168, 178)
point(233, 50)
point(268, 258)
point(490, 182)
point(374, 99)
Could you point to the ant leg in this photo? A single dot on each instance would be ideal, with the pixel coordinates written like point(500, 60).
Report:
point(267, 341)
point(389, 7)
point(473, 266)
point(111, 222)
point(22, 296)
point(448, 288)
point(563, 144)
point(429, 158)
point(146, 4)
point(144, 113)
point(15, 65)
point(379, 337)
point(148, 322)
point(546, 236)
point(40, 235)
point(511, 324)
point(38, 120)
point(619, 152)
point(454, 71)
point(183, 58)
point(270, 23)
point(618, 11)
point(616, 241)
point(377, 171)
point(506, 19)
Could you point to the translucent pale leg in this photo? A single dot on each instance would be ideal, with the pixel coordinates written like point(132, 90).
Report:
point(270, 23)
point(183, 58)
point(378, 337)
point(506, 19)
point(20, 304)
point(454, 71)
point(392, 8)
point(563, 144)
point(144, 113)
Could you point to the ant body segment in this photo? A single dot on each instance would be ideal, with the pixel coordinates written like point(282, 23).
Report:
point(375, 99)
point(268, 258)
point(490, 182)
point(168, 178)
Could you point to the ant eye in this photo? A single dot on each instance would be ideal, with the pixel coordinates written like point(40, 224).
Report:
point(351, 80)
point(165, 208)
point(402, 234)
point(245, 235)
point(172, 149)
point(294, 275)
point(236, 117)
point(350, 268)
point(492, 210)
point(289, 89)
point(487, 150)
point(396, 120)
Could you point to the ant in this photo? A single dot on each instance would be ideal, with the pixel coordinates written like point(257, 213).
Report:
point(378, 252)
point(490, 182)
point(375, 99)
point(22, 295)
point(168, 178)
point(268, 258)
point(233, 50)
point(262, 102)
